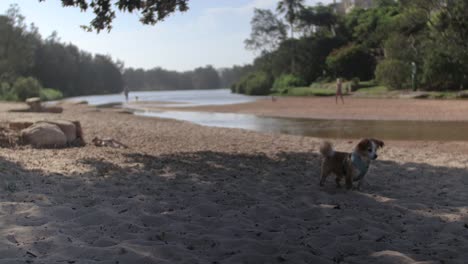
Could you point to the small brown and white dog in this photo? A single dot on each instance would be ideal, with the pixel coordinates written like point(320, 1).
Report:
point(351, 166)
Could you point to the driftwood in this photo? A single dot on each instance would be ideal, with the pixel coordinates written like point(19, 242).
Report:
point(108, 142)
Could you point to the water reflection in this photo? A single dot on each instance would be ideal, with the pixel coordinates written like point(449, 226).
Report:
point(394, 130)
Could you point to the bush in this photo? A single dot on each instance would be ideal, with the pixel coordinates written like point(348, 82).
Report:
point(257, 83)
point(48, 94)
point(351, 61)
point(393, 73)
point(26, 87)
point(286, 81)
point(7, 93)
point(355, 84)
point(439, 72)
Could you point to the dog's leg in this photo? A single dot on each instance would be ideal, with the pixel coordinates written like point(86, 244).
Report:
point(360, 183)
point(324, 173)
point(349, 178)
point(338, 180)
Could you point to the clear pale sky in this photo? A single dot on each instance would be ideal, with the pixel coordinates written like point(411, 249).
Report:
point(211, 32)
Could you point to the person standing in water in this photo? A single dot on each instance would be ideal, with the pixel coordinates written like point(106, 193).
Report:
point(126, 93)
point(339, 90)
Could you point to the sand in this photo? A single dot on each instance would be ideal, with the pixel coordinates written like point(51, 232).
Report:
point(183, 193)
point(354, 108)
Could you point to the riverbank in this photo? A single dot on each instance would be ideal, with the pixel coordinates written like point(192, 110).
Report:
point(184, 193)
point(353, 109)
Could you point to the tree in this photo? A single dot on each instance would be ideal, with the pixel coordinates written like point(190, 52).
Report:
point(267, 31)
point(206, 78)
point(17, 44)
point(229, 76)
point(290, 9)
point(371, 27)
point(352, 61)
point(152, 11)
point(318, 18)
point(443, 41)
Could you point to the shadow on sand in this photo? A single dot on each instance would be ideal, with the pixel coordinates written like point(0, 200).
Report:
point(213, 207)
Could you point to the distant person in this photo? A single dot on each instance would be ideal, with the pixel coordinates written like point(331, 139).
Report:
point(339, 90)
point(126, 92)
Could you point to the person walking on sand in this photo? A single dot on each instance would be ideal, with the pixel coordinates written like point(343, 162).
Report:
point(339, 90)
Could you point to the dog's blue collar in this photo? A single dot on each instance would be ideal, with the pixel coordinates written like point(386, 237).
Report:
point(360, 165)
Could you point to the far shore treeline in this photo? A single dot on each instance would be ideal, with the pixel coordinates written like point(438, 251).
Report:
point(31, 65)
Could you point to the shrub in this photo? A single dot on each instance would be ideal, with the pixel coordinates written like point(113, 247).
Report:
point(48, 94)
point(26, 87)
point(287, 81)
point(256, 83)
point(393, 73)
point(7, 93)
point(440, 72)
point(355, 84)
point(351, 61)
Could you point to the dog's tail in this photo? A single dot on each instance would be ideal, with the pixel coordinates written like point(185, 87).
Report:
point(326, 149)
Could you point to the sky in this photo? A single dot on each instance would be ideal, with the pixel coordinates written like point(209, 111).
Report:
point(211, 32)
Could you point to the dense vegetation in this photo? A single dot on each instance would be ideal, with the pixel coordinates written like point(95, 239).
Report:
point(29, 62)
point(381, 43)
point(200, 78)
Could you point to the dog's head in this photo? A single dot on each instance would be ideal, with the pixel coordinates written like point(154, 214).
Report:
point(368, 147)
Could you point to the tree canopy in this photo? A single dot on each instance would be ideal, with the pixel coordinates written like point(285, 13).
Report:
point(267, 31)
point(151, 11)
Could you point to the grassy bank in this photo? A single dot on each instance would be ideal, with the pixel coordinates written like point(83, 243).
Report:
point(370, 89)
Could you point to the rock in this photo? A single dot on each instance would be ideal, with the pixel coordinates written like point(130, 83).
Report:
point(43, 134)
point(463, 94)
point(34, 104)
point(67, 127)
point(79, 134)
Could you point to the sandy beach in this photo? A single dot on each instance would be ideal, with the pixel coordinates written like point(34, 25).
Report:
point(325, 108)
point(184, 193)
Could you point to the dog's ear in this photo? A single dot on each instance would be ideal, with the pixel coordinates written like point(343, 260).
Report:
point(378, 142)
point(363, 144)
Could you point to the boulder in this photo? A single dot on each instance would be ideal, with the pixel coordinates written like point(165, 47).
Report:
point(43, 134)
point(68, 128)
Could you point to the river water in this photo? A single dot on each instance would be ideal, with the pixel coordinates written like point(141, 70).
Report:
point(348, 129)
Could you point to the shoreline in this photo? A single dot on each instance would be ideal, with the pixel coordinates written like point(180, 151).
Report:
point(353, 109)
point(184, 193)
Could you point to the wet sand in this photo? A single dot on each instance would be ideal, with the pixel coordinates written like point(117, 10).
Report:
point(354, 108)
point(183, 193)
